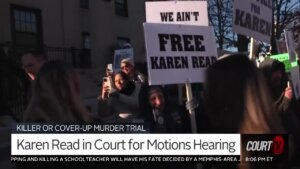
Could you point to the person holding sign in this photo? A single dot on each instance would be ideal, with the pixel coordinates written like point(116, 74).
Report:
point(127, 66)
point(282, 95)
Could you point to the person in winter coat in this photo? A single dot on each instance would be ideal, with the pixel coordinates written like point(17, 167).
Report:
point(237, 100)
point(127, 66)
point(123, 98)
point(283, 99)
point(56, 96)
point(164, 116)
point(282, 94)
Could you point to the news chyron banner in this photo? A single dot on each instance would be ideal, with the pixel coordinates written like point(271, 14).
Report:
point(253, 18)
point(177, 53)
point(123, 143)
point(116, 143)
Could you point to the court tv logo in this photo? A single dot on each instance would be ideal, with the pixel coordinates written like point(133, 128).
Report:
point(265, 148)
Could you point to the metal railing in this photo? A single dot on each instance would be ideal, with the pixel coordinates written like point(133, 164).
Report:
point(14, 83)
point(77, 58)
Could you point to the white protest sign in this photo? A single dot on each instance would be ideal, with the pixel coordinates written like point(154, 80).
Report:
point(290, 45)
point(121, 54)
point(177, 12)
point(296, 81)
point(253, 18)
point(183, 13)
point(177, 53)
point(281, 46)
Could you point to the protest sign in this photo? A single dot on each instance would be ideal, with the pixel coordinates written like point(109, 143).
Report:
point(285, 59)
point(281, 46)
point(176, 53)
point(184, 13)
point(296, 81)
point(121, 54)
point(290, 45)
point(253, 18)
point(180, 12)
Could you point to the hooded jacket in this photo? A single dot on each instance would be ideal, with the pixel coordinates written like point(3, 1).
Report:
point(172, 119)
point(284, 106)
point(268, 66)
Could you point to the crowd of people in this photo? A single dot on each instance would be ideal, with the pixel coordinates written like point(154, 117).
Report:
point(238, 98)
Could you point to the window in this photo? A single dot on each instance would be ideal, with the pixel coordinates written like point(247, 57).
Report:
point(86, 40)
point(26, 28)
point(122, 41)
point(25, 21)
point(84, 4)
point(121, 8)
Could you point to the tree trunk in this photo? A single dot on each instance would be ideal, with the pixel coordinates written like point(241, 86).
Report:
point(273, 35)
point(242, 43)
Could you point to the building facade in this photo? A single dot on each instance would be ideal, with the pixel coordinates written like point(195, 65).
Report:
point(83, 32)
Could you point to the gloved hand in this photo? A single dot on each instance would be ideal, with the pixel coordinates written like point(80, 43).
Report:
point(192, 104)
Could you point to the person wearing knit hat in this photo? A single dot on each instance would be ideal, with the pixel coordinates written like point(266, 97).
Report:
point(163, 115)
point(128, 61)
point(127, 66)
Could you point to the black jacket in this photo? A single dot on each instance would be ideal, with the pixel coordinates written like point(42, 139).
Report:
point(176, 119)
